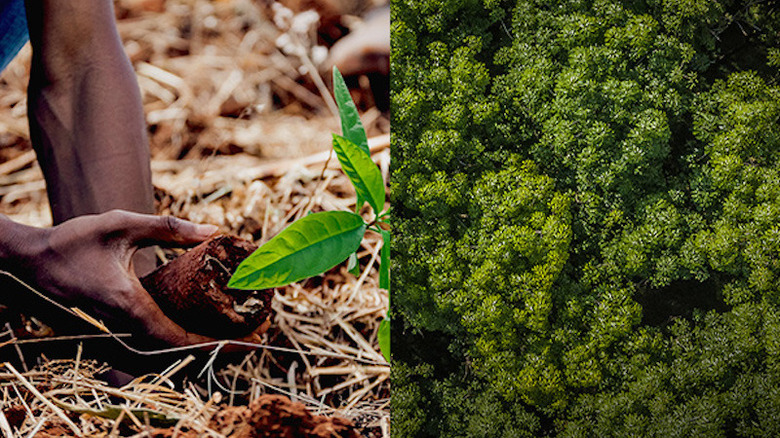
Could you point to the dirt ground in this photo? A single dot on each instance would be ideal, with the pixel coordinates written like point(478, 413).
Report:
point(239, 127)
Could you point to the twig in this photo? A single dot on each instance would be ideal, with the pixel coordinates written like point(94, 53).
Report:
point(289, 394)
point(247, 358)
point(76, 365)
point(115, 428)
point(43, 399)
point(188, 347)
point(37, 427)
point(356, 396)
point(16, 347)
point(132, 417)
point(4, 426)
point(364, 275)
point(72, 338)
point(24, 403)
point(72, 310)
point(17, 163)
point(164, 377)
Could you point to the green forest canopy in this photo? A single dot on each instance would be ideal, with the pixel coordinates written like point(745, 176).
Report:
point(587, 197)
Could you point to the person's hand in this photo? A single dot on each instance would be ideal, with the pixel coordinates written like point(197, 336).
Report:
point(87, 262)
point(366, 49)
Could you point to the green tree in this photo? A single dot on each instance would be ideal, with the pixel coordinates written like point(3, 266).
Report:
point(587, 198)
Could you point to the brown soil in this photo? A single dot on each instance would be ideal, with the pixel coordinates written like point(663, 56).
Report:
point(54, 431)
point(271, 416)
point(192, 290)
point(15, 415)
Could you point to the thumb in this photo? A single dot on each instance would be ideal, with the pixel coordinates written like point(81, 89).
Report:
point(147, 230)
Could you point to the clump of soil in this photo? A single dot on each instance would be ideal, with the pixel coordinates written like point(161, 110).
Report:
point(271, 416)
point(192, 290)
point(15, 414)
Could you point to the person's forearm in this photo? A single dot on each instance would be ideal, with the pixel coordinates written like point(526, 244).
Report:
point(86, 119)
point(17, 243)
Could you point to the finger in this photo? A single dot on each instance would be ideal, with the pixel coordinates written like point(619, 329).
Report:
point(147, 230)
point(366, 49)
point(172, 334)
point(144, 261)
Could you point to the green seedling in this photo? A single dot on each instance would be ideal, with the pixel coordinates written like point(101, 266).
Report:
point(320, 241)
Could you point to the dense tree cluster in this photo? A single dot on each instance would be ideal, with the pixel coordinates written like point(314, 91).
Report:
point(587, 199)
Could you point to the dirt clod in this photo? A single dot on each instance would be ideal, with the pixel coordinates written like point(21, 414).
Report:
point(191, 290)
point(272, 416)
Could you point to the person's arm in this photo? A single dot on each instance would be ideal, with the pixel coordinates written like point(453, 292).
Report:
point(88, 130)
point(86, 119)
point(87, 262)
point(15, 243)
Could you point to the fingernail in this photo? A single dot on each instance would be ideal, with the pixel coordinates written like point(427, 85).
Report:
point(207, 230)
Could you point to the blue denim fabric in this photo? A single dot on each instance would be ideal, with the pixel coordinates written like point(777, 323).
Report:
point(13, 30)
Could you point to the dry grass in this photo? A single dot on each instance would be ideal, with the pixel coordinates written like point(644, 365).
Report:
point(240, 134)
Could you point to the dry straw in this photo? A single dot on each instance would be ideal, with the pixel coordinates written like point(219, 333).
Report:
point(240, 137)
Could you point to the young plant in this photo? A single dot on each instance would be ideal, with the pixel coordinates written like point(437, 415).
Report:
point(320, 241)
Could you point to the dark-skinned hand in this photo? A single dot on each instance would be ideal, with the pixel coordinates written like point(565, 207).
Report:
point(87, 262)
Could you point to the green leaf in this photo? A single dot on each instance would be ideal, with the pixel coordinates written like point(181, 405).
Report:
point(351, 126)
point(384, 337)
point(384, 262)
point(362, 171)
point(114, 411)
point(309, 246)
point(352, 265)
